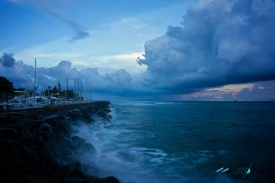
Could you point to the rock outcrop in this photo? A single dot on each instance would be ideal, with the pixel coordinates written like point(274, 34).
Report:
point(37, 146)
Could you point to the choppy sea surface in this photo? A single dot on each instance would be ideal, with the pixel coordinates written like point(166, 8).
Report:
point(185, 142)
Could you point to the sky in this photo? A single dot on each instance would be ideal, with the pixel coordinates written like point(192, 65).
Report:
point(142, 49)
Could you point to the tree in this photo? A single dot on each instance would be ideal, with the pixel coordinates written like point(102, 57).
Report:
point(20, 89)
point(69, 94)
point(6, 87)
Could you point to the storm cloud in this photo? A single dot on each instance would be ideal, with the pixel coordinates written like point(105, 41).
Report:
point(19, 74)
point(7, 60)
point(89, 79)
point(263, 91)
point(219, 42)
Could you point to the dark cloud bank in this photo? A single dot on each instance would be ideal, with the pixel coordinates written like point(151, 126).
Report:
point(116, 85)
point(224, 42)
point(219, 42)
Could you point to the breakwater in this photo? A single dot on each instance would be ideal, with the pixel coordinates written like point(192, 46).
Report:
point(38, 145)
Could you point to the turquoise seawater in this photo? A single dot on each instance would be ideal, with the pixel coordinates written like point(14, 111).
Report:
point(159, 142)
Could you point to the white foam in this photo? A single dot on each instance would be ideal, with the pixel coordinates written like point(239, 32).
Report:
point(119, 160)
point(122, 153)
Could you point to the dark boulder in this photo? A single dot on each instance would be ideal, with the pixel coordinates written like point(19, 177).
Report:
point(36, 145)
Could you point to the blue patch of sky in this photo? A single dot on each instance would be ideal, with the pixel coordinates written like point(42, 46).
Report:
point(22, 26)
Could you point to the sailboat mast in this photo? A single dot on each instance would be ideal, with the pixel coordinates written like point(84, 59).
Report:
point(34, 85)
point(35, 73)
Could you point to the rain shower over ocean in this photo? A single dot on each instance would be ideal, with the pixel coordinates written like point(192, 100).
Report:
point(159, 142)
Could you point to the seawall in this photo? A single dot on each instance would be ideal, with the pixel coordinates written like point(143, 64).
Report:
point(37, 145)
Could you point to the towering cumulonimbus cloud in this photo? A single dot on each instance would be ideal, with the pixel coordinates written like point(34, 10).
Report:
point(219, 42)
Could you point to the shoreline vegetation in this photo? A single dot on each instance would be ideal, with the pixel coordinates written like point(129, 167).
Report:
point(37, 145)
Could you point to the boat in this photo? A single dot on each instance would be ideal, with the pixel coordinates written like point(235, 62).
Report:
point(23, 100)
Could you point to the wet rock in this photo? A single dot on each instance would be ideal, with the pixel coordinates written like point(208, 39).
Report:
point(110, 179)
point(60, 148)
point(77, 141)
point(89, 168)
point(45, 128)
point(78, 177)
point(82, 146)
point(7, 130)
point(37, 146)
point(88, 148)
point(7, 133)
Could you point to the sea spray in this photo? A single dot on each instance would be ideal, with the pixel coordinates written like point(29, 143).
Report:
point(182, 142)
point(117, 156)
point(115, 159)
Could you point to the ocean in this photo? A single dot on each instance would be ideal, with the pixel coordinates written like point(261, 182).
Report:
point(184, 142)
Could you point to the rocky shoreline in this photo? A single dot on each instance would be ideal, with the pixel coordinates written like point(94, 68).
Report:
point(37, 146)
